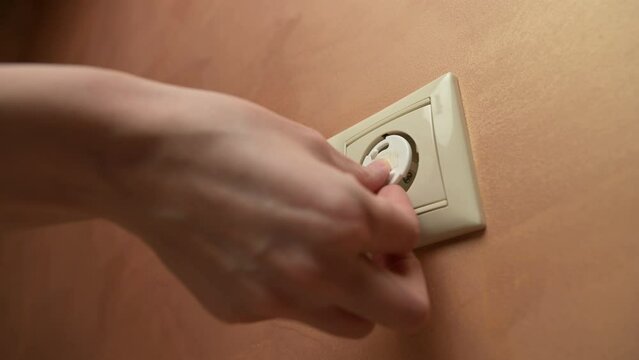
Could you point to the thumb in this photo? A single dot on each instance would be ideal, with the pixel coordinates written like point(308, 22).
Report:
point(376, 175)
point(373, 177)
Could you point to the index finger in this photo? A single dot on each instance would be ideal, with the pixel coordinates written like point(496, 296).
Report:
point(395, 228)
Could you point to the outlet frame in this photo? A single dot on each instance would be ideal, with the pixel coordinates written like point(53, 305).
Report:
point(461, 212)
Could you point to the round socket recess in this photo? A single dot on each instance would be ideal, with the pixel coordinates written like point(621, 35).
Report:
point(396, 150)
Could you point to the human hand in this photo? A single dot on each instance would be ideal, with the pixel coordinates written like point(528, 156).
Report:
point(260, 218)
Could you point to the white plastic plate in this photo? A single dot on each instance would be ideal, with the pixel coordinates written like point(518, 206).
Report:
point(444, 190)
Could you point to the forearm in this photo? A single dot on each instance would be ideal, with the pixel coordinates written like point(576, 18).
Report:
point(250, 210)
point(56, 124)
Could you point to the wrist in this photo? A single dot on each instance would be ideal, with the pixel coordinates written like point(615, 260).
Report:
point(60, 124)
point(131, 124)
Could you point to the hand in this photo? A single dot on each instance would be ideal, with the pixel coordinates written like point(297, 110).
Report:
point(261, 218)
point(257, 215)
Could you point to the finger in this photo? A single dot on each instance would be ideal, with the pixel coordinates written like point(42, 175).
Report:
point(373, 176)
point(395, 228)
point(407, 270)
point(398, 197)
point(395, 300)
point(336, 321)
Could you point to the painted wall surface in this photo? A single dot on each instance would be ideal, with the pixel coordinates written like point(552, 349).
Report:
point(17, 25)
point(550, 92)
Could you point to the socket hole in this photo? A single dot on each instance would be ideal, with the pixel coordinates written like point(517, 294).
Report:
point(384, 147)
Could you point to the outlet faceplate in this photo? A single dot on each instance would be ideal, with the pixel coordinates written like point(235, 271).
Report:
point(441, 183)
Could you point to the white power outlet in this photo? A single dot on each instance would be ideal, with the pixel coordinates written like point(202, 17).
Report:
point(441, 180)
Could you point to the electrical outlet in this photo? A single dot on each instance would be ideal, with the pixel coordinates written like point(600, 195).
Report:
point(440, 180)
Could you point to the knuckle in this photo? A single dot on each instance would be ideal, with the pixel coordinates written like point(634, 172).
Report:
point(307, 275)
point(316, 141)
point(346, 236)
point(359, 175)
point(346, 218)
point(295, 267)
point(412, 232)
point(414, 316)
point(352, 179)
point(340, 203)
point(301, 270)
point(354, 230)
point(312, 135)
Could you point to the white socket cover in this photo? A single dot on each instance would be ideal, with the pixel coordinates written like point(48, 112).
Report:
point(443, 188)
point(396, 151)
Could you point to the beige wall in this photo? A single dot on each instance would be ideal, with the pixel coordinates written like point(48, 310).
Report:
point(550, 91)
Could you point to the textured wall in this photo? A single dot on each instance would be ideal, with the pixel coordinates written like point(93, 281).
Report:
point(549, 90)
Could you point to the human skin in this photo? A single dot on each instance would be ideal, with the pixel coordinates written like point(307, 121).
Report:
point(257, 215)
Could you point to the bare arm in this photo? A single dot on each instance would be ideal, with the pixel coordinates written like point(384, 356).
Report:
point(55, 123)
point(257, 215)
